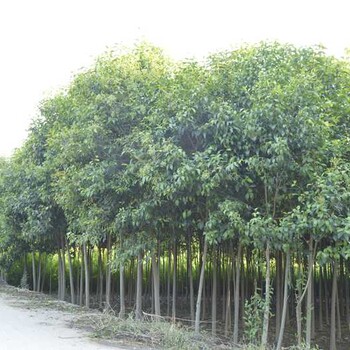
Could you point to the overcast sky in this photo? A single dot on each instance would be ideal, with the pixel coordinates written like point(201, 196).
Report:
point(45, 42)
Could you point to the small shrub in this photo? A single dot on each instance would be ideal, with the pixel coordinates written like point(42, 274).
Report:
point(253, 319)
point(24, 280)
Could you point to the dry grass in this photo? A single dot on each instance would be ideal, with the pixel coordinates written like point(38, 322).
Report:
point(158, 334)
point(106, 326)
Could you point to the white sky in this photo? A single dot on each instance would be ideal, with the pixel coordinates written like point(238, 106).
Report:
point(44, 42)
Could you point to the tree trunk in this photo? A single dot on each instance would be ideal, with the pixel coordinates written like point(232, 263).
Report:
point(81, 282)
point(60, 272)
point(204, 301)
point(33, 271)
point(190, 277)
point(24, 279)
point(139, 288)
point(278, 293)
point(38, 283)
point(228, 297)
point(168, 282)
point(298, 306)
point(87, 275)
point(309, 305)
point(71, 277)
point(100, 279)
point(338, 317)
point(236, 295)
point(347, 301)
point(265, 330)
point(200, 289)
point(122, 291)
point(155, 273)
point(320, 302)
point(173, 310)
point(50, 281)
point(326, 294)
point(285, 301)
point(44, 268)
point(214, 294)
point(333, 345)
point(108, 273)
point(224, 284)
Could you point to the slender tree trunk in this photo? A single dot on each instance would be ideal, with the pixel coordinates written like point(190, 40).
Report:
point(100, 279)
point(173, 310)
point(190, 277)
point(62, 269)
point(122, 284)
point(265, 331)
point(108, 273)
point(44, 269)
point(320, 303)
point(244, 286)
point(285, 301)
point(347, 312)
point(204, 301)
point(224, 284)
point(81, 283)
point(228, 299)
point(236, 295)
point(50, 281)
point(122, 290)
point(71, 277)
point(326, 294)
point(168, 282)
point(200, 289)
point(309, 305)
point(278, 287)
point(298, 307)
point(131, 280)
point(214, 294)
point(155, 273)
point(139, 288)
point(151, 287)
point(338, 317)
point(60, 272)
point(38, 283)
point(33, 271)
point(87, 275)
point(333, 344)
point(313, 317)
point(24, 279)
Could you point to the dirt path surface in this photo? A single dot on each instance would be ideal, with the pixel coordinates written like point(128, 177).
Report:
point(29, 329)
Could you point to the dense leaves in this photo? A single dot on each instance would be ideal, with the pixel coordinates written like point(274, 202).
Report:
point(248, 149)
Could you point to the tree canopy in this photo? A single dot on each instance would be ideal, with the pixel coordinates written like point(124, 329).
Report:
point(192, 173)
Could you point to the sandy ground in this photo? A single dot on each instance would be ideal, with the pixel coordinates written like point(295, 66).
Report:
point(30, 329)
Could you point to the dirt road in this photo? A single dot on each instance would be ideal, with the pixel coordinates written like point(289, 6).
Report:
point(33, 329)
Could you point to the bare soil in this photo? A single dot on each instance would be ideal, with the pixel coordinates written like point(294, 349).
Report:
point(31, 321)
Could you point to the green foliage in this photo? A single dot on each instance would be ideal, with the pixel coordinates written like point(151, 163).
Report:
point(253, 319)
point(251, 147)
